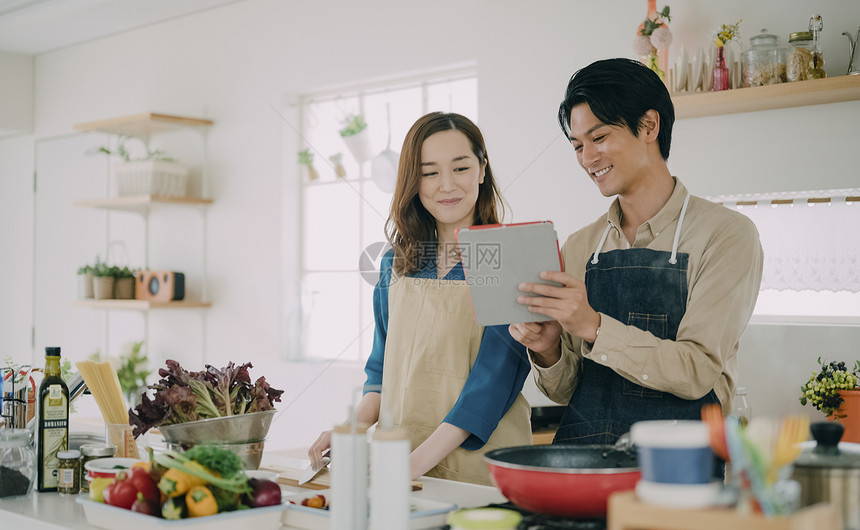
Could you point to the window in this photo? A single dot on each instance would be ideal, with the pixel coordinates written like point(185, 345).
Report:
point(343, 218)
point(811, 255)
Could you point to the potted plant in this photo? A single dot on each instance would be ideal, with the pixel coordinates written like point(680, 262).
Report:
point(85, 281)
point(123, 287)
point(151, 173)
point(131, 370)
point(337, 160)
point(103, 279)
point(356, 137)
point(306, 158)
point(834, 390)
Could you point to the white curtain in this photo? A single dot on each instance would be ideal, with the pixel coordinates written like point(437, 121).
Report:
point(808, 246)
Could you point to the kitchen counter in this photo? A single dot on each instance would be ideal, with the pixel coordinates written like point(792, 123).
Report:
point(51, 511)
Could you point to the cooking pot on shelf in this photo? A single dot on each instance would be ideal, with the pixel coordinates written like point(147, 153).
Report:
point(830, 472)
point(564, 480)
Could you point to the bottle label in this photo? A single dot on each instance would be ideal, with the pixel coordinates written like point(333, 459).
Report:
point(54, 433)
point(55, 440)
point(55, 405)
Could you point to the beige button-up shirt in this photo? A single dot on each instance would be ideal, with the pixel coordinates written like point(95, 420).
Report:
point(724, 275)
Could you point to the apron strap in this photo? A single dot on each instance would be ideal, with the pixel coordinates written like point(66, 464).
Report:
point(602, 241)
point(673, 260)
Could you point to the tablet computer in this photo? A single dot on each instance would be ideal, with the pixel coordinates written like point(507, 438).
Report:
point(497, 258)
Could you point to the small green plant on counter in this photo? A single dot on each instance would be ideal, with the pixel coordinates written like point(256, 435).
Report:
point(85, 269)
point(352, 125)
point(822, 389)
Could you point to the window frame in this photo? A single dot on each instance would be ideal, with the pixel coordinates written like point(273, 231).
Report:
point(359, 91)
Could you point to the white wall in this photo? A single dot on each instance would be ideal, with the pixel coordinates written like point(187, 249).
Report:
point(16, 93)
point(235, 63)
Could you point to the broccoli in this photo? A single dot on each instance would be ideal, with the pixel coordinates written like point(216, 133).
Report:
point(221, 461)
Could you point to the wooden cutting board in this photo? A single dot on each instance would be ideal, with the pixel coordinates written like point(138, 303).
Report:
point(289, 476)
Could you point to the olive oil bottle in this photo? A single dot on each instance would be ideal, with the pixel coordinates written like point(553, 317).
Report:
point(53, 424)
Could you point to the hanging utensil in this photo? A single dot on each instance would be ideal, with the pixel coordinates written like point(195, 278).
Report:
point(383, 167)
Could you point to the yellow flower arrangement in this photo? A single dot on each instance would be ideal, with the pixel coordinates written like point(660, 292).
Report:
point(727, 33)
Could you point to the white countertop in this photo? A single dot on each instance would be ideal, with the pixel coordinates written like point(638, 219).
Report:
point(51, 511)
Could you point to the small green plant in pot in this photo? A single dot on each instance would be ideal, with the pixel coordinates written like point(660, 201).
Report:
point(356, 137)
point(834, 391)
point(306, 158)
point(85, 281)
point(103, 280)
point(145, 171)
point(337, 160)
point(124, 283)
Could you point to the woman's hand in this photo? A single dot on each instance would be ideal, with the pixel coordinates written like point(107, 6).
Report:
point(567, 304)
point(323, 442)
point(541, 338)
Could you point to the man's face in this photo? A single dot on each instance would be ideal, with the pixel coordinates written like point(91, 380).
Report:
point(611, 155)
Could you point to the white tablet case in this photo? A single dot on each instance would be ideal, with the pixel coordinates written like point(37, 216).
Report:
point(497, 258)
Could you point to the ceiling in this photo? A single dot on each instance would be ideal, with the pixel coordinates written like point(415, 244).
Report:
point(38, 26)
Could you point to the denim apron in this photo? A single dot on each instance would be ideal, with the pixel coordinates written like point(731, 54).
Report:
point(643, 288)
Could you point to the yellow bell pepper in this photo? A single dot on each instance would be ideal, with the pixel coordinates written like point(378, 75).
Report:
point(175, 482)
point(200, 502)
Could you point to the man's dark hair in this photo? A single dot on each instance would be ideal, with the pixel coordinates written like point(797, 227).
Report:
point(620, 92)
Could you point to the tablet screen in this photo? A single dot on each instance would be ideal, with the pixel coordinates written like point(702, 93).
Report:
point(497, 258)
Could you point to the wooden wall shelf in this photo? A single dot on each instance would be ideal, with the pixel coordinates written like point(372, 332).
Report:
point(784, 95)
point(145, 124)
point(141, 203)
point(142, 305)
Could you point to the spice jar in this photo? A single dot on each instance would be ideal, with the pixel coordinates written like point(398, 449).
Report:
point(92, 452)
point(17, 463)
point(765, 62)
point(799, 56)
point(69, 472)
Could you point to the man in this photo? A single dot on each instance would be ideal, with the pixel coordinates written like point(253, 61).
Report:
point(657, 292)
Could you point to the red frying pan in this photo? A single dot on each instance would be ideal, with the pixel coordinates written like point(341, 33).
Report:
point(564, 480)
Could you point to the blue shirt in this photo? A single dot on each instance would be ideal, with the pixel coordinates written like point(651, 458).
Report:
point(495, 380)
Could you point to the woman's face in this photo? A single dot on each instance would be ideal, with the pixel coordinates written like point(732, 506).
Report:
point(450, 177)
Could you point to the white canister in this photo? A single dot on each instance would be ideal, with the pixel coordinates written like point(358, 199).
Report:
point(677, 463)
point(349, 477)
point(390, 481)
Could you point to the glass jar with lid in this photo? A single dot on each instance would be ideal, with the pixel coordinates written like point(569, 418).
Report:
point(91, 452)
point(17, 463)
point(799, 56)
point(765, 62)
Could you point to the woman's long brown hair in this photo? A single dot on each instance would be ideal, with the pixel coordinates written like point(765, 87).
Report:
point(410, 228)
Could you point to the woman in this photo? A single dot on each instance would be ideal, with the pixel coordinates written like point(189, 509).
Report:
point(453, 385)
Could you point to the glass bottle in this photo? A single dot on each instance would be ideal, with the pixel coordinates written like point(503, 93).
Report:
point(721, 71)
point(17, 463)
point(740, 406)
point(52, 431)
point(816, 25)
